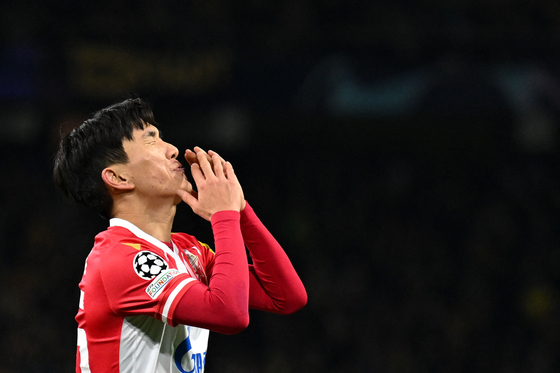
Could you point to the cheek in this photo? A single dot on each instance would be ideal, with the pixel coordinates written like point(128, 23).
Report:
point(151, 175)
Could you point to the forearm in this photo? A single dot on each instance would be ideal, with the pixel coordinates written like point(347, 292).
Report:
point(223, 305)
point(274, 283)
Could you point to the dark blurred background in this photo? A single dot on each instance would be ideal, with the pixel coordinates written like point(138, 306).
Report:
point(404, 153)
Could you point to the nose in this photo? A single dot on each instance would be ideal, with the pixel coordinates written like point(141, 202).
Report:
point(172, 151)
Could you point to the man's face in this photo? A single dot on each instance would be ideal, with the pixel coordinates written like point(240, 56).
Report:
point(153, 167)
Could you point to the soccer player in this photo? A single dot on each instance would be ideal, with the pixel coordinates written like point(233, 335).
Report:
point(149, 297)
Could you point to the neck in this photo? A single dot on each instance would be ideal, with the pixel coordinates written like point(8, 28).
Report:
point(157, 222)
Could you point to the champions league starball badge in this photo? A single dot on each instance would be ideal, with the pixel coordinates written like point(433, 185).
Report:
point(148, 265)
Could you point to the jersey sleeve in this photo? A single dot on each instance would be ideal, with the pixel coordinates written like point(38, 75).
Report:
point(222, 304)
point(274, 283)
point(139, 279)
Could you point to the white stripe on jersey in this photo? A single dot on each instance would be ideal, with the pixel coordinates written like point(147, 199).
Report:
point(81, 304)
point(84, 354)
point(171, 298)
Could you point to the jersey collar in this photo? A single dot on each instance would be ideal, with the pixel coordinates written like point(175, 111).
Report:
point(118, 222)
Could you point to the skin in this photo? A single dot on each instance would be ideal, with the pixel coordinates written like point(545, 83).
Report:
point(147, 189)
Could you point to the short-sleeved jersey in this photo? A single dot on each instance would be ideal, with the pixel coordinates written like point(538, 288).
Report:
point(131, 285)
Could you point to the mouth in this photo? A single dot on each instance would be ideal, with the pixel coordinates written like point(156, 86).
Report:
point(179, 167)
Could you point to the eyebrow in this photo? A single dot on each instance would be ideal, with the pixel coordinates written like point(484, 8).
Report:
point(151, 133)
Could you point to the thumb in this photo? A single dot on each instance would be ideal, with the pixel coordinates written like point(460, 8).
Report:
point(187, 197)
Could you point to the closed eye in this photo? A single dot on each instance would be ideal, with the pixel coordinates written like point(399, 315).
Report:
point(152, 134)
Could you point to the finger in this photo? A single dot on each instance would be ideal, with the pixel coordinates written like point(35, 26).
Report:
point(190, 156)
point(222, 160)
point(218, 166)
point(187, 197)
point(198, 149)
point(197, 173)
point(212, 153)
point(228, 170)
point(203, 162)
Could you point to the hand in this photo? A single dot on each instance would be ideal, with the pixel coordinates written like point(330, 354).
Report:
point(191, 156)
point(217, 184)
point(242, 202)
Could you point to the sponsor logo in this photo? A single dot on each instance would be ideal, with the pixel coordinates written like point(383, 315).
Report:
point(186, 360)
point(157, 285)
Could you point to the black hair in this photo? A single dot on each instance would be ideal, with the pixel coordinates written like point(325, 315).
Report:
point(94, 145)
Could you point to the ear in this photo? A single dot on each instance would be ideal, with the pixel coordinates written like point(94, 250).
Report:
point(116, 181)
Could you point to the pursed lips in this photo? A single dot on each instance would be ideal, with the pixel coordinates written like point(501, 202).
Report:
point(179, 167)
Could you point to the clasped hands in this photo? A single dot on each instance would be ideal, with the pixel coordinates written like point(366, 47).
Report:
point(217, 186)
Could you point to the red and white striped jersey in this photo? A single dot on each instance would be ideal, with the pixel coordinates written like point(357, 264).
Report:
point(131, 285)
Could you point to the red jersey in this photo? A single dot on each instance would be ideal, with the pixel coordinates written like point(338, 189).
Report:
point(134, 309)
point(131, 285)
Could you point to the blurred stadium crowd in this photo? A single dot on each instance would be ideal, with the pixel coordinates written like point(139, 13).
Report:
point(405, 154)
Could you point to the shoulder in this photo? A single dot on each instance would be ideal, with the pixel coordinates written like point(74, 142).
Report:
point(114, 235)
point(118, 243)
point(124, 260)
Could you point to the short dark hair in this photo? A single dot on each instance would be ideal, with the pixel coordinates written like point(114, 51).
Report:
point(94, 145)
